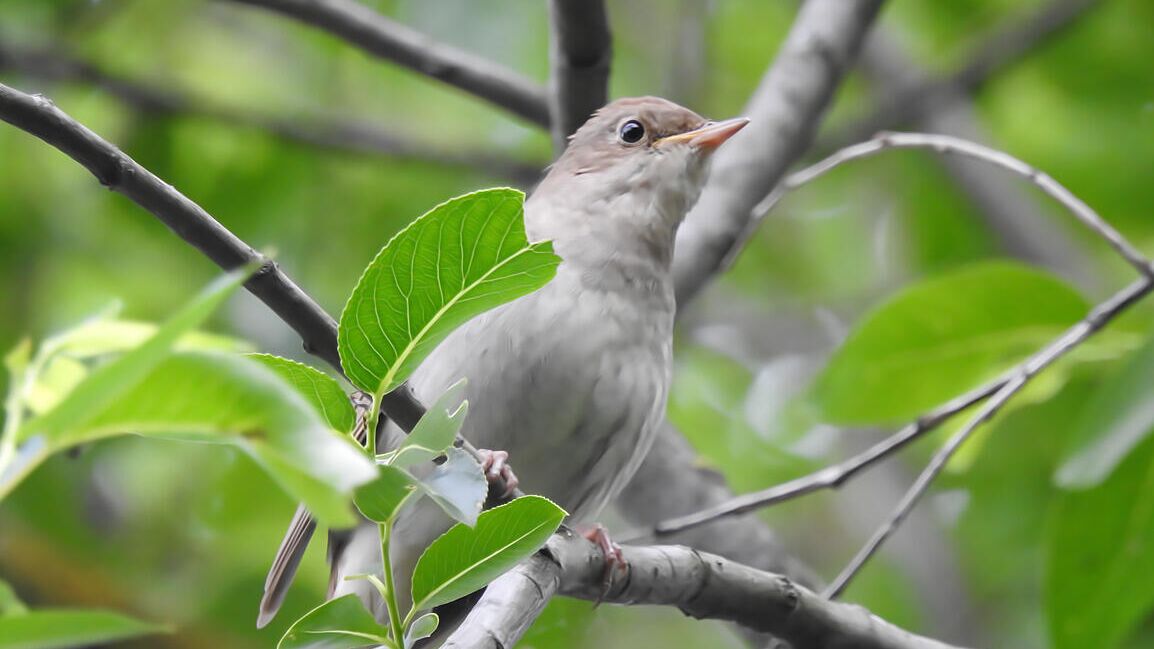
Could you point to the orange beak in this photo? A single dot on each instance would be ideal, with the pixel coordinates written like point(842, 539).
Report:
point(710, 136)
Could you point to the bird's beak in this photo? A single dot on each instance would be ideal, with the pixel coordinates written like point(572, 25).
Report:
point(710, 136)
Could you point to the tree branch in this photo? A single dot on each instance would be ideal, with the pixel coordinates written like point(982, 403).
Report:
point(387, 39)
point(1005, 46)
point(699, 584)
point(785, 111)
point(340, 136)
point(580, 53)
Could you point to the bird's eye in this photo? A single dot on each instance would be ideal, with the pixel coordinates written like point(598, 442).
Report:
point(631, 132)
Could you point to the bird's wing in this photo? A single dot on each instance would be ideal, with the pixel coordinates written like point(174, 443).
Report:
point(284, 565)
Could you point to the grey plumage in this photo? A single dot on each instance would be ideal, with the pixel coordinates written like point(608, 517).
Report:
point(572, 379)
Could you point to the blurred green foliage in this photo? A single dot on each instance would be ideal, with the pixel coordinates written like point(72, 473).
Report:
point(183, 534)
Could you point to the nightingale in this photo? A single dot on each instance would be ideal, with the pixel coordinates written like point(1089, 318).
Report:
point(572, 379)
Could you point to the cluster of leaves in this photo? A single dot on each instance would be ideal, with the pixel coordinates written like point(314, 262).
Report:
point(948, 334)
point(111, 377)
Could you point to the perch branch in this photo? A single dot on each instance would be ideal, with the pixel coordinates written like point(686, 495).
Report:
point(392, 41)
point(699, 584)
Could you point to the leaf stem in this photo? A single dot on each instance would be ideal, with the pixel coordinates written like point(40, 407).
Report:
point(395, 625)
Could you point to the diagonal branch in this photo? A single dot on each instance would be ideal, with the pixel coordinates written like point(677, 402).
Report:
point(785, 112)
point(580, 54)
point(991, 55)
point(340, 136)
point(406, 47)
point(699, 584)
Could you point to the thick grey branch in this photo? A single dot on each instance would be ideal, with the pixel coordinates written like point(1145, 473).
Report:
point(785, 111)
point(701, 585)
point(341, 136)
point(580, 54)
point(395, 42)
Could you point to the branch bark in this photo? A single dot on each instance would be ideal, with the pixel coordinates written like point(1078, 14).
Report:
point(699, 584)
point(785, 111)
point(580, 54)
point(392, 41)
point(341, 136)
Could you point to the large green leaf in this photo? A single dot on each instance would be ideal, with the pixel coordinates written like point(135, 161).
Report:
point(235, 400)
point(1099, 565)
point(1118, 417)
point(460, 259)
point(941, 337)
point(320, 389)
point(341, 623)
point(106, 384)
point(62, 628)
point(465, 558)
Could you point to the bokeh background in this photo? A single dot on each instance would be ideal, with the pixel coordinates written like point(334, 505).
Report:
point(184, 533)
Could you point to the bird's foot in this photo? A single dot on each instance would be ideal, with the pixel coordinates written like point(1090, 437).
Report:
point(614, 559)
point(500, 475)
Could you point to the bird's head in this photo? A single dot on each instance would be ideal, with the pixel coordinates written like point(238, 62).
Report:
point(635, 168)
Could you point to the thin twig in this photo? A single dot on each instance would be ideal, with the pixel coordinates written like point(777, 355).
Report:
point(946, 144)
point(345, 136)
point(1097, 318)
point(390, 40)
point(990, 55)
point(830, 477)
point(580, 54)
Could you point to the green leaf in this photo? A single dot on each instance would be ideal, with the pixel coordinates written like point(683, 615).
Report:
point(225, 398)
point(341, 623)
point(381, 499)
point(105, 385)
point(1116, 419)
point(50, 628)
point(318, 388)
point(1099, 567)
point(465, 558)
point(941, 337)
point(458, 485)
point(436, 431)
point(421, 628)
point(460, 259)
point(10, 603)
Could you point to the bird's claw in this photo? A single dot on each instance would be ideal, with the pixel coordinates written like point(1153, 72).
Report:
point(614, 558)
point(495, 464)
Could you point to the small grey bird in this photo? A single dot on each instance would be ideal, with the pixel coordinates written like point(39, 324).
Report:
point(572, 379)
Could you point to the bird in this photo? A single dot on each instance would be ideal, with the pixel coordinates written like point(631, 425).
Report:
point(572, 379)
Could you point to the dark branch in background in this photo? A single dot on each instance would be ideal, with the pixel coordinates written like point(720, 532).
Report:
point(1004, 47)
point(701, 585)
point(785, 110)
point(406, 47)
point(341, 136)
point(580, 54)
point(997, 392)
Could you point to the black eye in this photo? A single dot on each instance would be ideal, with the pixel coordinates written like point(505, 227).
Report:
point(631, 132)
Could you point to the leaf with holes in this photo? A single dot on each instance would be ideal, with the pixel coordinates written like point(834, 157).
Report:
point(462, 258)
